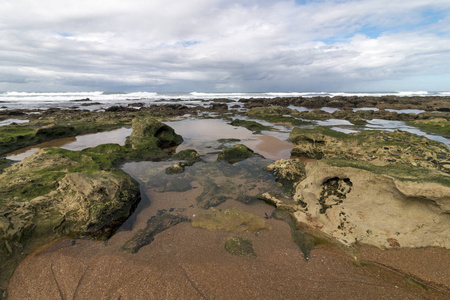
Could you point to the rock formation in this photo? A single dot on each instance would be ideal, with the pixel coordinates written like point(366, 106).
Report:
point(58, 192)
point(357, 192)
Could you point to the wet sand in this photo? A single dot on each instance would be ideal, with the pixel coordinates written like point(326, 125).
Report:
point(188, 263)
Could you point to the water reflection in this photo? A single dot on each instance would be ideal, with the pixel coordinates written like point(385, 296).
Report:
point(77, 143)
point(11, 121)
point(390, 125)
point(203, 135)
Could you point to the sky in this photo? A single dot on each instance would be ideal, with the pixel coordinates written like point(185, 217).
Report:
point(224, 45)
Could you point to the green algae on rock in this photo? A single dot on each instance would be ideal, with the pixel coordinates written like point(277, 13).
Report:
point(276, 114)
point(51, 125)
point(50, 195)
point(189, 155)
point(175, 168)
point(387, 189)
point(434, 125)
point(237, 245)
point(250, 125)
point(379, 148)
point(230, 220)
point(58, 192)
point(4, 163)
point(149, 136)
point(235, 154)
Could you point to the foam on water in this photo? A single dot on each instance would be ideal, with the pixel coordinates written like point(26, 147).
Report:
point(105, 96)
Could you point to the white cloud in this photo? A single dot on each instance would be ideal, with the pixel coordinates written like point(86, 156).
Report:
point(259, 45)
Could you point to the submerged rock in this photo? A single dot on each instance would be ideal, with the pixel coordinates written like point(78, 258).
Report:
point(155, 225)
point(175, 168)
point(250, 125)
point(237, 153)
point(230, 220)
point(287, 171)
point(236, 245)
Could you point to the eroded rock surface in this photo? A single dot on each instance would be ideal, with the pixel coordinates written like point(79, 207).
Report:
point(377, 147)
point(355, 205)
point(58, 192)
point(385, 189)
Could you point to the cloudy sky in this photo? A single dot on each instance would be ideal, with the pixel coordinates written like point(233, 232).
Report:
point(224, 45)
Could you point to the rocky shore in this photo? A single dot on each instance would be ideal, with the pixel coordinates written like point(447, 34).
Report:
point(352, 191)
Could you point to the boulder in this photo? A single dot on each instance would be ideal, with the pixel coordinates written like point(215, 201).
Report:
point(149, 136)
point(235, 154)
point(357, 206)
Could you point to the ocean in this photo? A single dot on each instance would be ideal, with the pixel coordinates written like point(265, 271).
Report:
point(101, 100)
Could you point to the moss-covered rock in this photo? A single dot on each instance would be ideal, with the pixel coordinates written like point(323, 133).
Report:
point(190, 156)
point(236, 245)
point(434, 125)
point(4, 163)
point(379, 148)
point(237, 153)
point(56, 124)
point(175, 168)
point(56, 131)
point(250, 125)
point(149, 134)
point(276, 114)
point(51, 194)
point(58, 192)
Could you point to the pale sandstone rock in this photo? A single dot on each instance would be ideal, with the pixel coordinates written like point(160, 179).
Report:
point(353, 205)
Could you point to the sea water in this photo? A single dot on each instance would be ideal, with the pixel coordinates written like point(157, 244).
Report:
point(100, 100)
